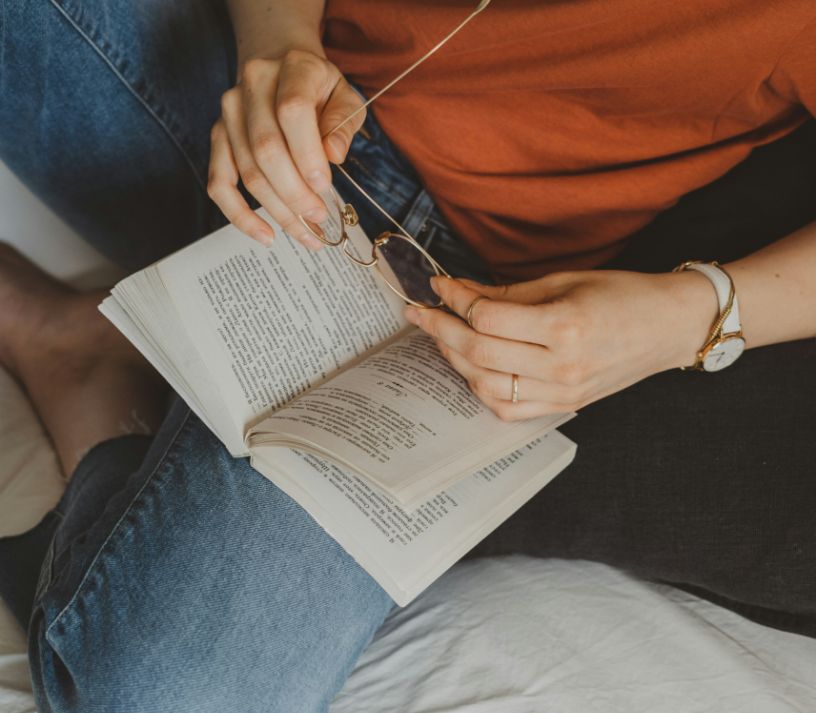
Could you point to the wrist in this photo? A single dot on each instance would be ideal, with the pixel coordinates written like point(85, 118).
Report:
point(274, 47)
point(693, 309)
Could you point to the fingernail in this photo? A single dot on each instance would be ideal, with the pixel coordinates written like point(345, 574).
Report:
point(318, 181)
point(339, 144)
point(264, 237)
point(412, 314)
point(435, 284)
point(316, 215)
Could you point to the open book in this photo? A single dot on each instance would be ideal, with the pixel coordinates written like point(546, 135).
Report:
point(303, 361)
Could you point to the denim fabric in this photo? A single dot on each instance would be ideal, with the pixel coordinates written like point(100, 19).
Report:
point(192, 584)
point(173, 577)
point(107, 105)
point(176, 578)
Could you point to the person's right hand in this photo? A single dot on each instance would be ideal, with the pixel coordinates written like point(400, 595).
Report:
point(269, 137)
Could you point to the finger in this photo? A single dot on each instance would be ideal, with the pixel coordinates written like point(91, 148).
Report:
point(222, 188)
point(343, 102)
point(253, 177)
point(508, 411)
point(530, 292)
point(496, 317)
point(304, 90)
point(271, 153)
point(482, 349)
point(488, 383)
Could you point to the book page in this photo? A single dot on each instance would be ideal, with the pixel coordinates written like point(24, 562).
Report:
point(401, 416)
point(406, 551)
point(272, 322)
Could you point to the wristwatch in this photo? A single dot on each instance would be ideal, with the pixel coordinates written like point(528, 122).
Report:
point(725, 343)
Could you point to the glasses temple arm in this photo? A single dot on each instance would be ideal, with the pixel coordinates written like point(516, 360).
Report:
point(482, 5)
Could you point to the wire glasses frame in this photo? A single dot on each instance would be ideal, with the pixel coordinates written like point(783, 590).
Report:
point(412, 265)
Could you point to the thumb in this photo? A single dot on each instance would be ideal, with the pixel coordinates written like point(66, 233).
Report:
point(531, 292)
point(343, 102)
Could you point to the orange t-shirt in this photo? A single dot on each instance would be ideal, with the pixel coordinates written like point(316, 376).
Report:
point(549, 131)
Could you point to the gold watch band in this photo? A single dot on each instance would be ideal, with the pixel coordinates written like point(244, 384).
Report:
point(715, 333)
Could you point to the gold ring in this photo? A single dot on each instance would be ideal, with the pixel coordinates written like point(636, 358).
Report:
point(469, 313)
point(514, 396)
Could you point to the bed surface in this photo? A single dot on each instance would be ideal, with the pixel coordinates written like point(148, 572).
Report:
point(510, 635)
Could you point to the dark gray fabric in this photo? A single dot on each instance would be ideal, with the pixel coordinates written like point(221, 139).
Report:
point(707, 481)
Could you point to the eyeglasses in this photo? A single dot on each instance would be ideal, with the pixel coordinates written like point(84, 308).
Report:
point(411, 266)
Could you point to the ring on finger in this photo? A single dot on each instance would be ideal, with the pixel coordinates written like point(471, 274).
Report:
point(469, 313)
point(514, 394)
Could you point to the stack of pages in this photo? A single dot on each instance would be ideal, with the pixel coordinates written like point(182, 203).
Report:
point(303, 362)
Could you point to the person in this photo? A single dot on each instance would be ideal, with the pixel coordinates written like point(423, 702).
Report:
point(542, 142)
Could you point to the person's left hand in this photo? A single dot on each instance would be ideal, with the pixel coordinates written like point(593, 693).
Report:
point(572, 337)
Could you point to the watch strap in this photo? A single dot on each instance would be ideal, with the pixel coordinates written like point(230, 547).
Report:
point(723, 286)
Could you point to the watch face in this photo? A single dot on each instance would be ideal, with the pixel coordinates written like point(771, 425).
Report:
point(724, 353)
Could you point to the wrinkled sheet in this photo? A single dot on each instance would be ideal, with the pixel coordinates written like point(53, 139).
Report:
point(518, 635)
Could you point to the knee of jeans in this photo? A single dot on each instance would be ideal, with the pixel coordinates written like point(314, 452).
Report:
point(138, 672)
point(215, 593)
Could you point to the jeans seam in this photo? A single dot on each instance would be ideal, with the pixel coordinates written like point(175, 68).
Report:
point(159, 463)
point(153, 112)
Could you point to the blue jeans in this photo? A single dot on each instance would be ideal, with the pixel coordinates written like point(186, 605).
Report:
point(172, 577)
point(175, 578)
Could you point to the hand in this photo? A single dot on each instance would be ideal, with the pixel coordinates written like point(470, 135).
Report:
point(572, 338)
point(269, 136)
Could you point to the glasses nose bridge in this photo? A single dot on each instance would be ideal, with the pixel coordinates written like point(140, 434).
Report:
point(346, 246)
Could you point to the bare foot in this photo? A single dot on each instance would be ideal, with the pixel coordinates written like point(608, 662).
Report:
point(86, 381)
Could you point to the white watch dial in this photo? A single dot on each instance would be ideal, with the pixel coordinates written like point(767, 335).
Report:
point(724, 353)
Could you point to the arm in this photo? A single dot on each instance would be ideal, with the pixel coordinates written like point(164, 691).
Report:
point(574, 338)
point(270, 28)
point(777, 290)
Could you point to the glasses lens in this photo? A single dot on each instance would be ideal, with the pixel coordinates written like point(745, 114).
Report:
point(331, 230)
point(412, 269)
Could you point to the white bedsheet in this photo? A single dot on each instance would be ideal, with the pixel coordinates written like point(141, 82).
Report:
point(514, 635)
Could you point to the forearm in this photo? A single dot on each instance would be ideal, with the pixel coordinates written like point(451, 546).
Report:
point(268, 28)
point(776, 287)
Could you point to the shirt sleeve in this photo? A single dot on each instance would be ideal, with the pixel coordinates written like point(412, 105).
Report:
point(795, 74)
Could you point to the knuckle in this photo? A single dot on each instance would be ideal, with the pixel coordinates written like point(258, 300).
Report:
point(214, 189)
point(243, 222)
point(253, 179)
point(228, 99)
point(294, 55)
point(567, 332)
point(301, 200)
point(480, 386)
point(571, 374)
point(267, 146)
point(570, 326)
point(431, 326)
point(293, 107)
point(255, 68)
point(483, 319)
point(477, 351)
